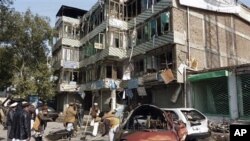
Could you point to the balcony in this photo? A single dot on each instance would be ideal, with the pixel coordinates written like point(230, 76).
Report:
point(67, 20)
point(113, 22)
point(111, 52)
point(100, 84)
point(74, 42)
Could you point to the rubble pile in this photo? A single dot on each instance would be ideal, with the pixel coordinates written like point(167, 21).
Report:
point(222, 127)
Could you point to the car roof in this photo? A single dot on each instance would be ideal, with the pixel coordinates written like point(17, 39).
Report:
point(186, 109)
point(144, 108)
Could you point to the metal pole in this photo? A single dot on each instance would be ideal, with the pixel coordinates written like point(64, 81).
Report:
point(113, 97)
point(188, 34)
point(101, 99)
point(185, 86)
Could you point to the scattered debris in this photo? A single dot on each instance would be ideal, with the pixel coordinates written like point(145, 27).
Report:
point(221, 127)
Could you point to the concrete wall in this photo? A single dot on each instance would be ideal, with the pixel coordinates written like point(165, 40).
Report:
point(162, 95)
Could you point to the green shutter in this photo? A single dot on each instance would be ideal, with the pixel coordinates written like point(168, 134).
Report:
point(208, 75)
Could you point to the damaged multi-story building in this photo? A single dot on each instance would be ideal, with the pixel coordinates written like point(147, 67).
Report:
point(138, 51)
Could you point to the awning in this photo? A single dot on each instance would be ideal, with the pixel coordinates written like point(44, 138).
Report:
point(208, 75)
point(130, 84)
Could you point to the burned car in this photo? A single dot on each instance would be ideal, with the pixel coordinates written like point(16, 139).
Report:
point(196, 122)
point(146, 123)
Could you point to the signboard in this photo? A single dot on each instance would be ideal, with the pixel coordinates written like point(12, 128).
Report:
point(167, 76)
point(69, 88)
point(70, 64)
point(150, 77)
point(225, 6)
point(98, 46)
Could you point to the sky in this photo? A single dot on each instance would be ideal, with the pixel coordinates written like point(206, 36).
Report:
point(49, 8)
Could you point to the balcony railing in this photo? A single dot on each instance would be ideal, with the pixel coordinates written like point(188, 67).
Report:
point(68, 64)
point(100, 84)
point(66, 41)
point(117, 53)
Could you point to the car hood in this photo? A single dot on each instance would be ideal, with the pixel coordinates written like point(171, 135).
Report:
point(153, 135)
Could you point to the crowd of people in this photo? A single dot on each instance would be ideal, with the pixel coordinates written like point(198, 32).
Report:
point(108, 119)
point(110, 122)
point(24, 121)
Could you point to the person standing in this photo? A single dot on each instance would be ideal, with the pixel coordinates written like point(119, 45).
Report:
point(94, 112)
point(10, 115)
point(111, 123)
point(40, 123)
point(43, 114)
point(81, 115)
point(20, 127)
point(69, 119)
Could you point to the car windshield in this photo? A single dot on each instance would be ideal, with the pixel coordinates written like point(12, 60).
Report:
point(146, 117)
point(192, 115)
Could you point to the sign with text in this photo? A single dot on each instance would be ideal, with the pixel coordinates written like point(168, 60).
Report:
point(225, 6)
point(239, 132)
point(70, 64)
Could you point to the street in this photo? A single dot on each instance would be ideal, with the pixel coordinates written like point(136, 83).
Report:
point(55, 130)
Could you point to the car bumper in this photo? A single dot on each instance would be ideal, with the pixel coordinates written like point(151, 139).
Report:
point(198, 135)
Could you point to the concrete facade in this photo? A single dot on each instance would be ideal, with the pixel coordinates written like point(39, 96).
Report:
point(215, 39)
point(140, 42)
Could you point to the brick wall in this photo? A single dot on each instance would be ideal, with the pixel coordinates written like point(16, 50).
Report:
point(216, 39)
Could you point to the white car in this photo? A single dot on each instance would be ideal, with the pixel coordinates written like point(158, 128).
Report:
point(196, 122)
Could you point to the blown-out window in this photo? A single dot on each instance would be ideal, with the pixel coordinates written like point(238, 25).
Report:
point(108, 71)
point(165, 22)
point(70, 54)
point(153, 28)
point(147, 32)
point(116, 39)
point(138, 67)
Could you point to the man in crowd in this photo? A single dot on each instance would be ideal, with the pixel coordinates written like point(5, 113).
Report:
point(111, 123)
point(40, 123)
point(94, 112)
point(20, 127)
point(10, 115)
point(80, 114)
point(70, 118)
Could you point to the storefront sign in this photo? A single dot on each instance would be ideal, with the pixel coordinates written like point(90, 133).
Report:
point(150, 77)
point(70, 64)
point(98, 46)
point(69, 88)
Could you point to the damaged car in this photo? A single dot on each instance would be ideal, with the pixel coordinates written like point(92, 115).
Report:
point(196, 122)
point(146, 123)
